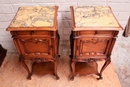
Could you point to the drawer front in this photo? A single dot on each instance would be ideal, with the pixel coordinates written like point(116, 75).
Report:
point(33, 33)
point(99, 32)
point(92, 46)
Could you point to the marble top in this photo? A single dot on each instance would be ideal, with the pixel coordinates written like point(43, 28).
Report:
point(34, 16)
point(94, 16)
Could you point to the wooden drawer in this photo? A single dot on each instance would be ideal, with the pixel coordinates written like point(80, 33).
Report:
point(99, 32)
point(33, 33)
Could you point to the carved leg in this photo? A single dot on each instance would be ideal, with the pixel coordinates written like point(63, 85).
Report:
point(73, 70)
point(107, 62)
point(58, 43)
point(55, 70)
point(71, 45)
point(21, 59)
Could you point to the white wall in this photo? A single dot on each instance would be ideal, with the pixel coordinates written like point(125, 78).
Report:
point(8, 8)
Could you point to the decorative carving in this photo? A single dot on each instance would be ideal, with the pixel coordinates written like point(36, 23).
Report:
point(35, 40)
point(21, 58)
point(38, 60)
point(89, 60)
point(93, 40)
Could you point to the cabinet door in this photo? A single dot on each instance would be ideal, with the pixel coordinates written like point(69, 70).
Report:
point(92, 46)
point(35, 46)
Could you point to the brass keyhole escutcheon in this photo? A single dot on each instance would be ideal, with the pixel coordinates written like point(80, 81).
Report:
point(32, 32)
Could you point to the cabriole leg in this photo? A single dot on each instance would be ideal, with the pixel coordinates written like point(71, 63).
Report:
point(55, 69)
point(73, 70)
point(21, 59)
point(107, 62)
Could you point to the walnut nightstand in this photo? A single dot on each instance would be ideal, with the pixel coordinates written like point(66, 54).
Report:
point(35, 35)
point(94, 32)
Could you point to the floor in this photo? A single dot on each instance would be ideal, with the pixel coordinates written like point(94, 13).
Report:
point(117, 74)
point(121, 59)
point(12, 74)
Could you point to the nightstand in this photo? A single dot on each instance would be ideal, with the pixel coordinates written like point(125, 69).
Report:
point(94, 32)
point(35, 35)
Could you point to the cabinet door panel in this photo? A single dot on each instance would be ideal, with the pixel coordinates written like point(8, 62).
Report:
point(35, 46)
point(92, 46)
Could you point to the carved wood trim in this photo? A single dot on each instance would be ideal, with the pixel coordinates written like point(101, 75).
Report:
point(35, 40)
point(89, 60)
point(39, 60)
point(21, 58)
